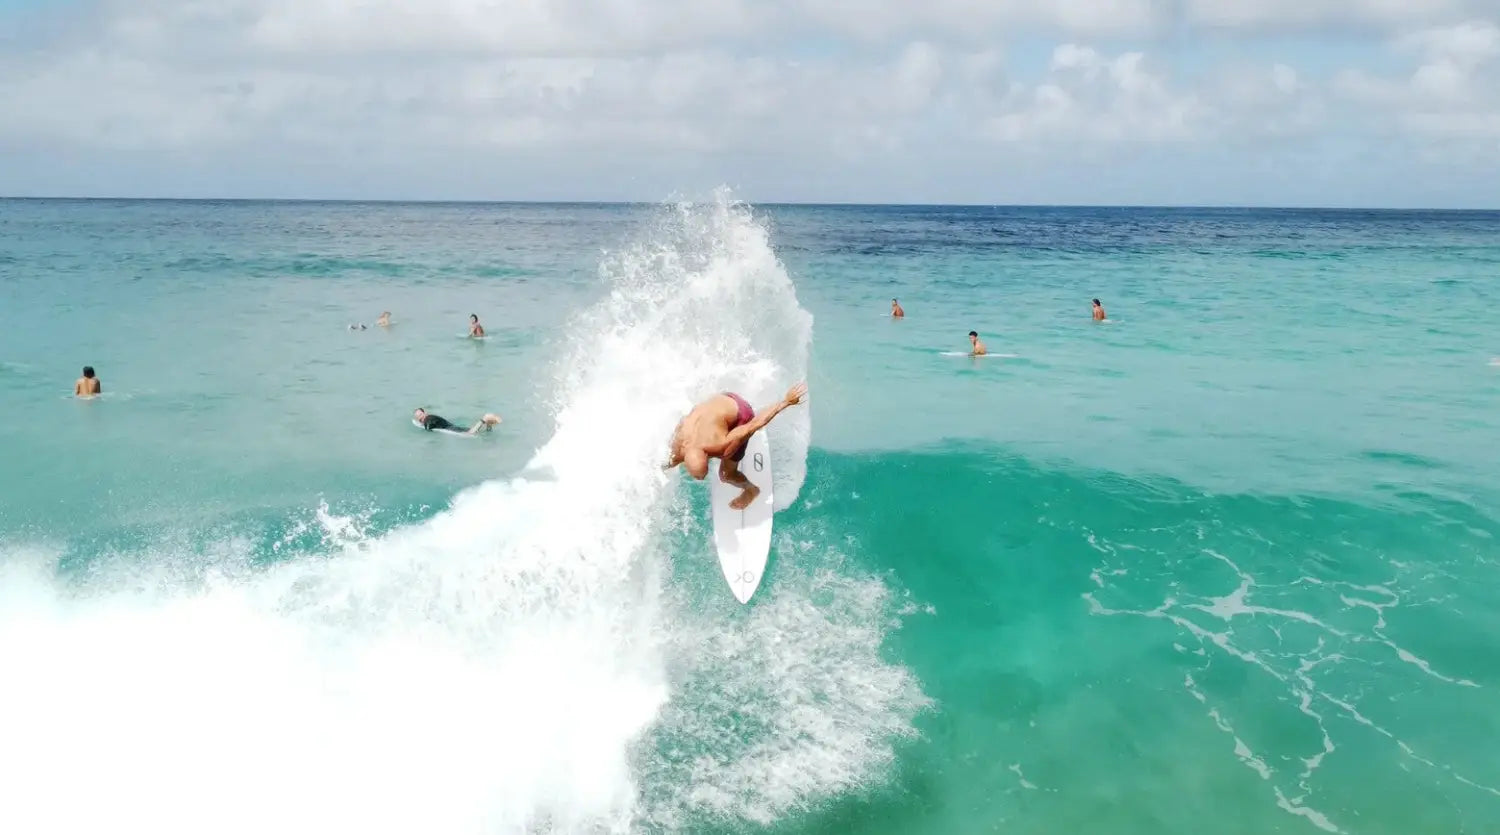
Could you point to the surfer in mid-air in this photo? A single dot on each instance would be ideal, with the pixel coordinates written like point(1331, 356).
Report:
point(427, 421)
point(718, 428)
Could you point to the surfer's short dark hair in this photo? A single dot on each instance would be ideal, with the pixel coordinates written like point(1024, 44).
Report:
point(973, 333)
point(88, 371)
point(1096, 301)
point(474, 316)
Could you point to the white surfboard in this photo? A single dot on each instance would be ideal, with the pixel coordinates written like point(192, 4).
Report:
point(743, 537)
point(980, 356)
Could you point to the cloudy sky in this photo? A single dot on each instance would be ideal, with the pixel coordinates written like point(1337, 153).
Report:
point(1238, 102)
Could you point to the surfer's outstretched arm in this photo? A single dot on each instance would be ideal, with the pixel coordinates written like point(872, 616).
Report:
point(739, 434)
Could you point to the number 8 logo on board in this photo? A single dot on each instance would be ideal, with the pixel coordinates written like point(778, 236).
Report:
point(759, 461)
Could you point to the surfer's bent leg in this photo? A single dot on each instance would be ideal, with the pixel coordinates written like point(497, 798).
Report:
point(485, 424)
point(729, 473)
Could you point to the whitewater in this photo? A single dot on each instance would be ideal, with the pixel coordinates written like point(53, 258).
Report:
point(547, 653)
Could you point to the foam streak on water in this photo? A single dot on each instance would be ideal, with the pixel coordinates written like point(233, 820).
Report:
point(519, 662)
point(1295, 670)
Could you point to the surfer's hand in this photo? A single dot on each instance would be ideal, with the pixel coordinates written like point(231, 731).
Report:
point(795, 394)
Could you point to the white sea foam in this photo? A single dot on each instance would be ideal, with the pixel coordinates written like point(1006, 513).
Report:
point(520, 662)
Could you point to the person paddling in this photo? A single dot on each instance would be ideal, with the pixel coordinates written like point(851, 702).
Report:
point(430, 422)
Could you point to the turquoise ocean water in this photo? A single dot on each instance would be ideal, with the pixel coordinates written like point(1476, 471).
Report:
point(1228, 563)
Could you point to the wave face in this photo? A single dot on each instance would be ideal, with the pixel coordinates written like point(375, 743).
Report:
point(553, 652)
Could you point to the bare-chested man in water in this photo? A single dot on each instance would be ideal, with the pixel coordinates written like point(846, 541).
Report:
point(718, 428)
point(88, 384)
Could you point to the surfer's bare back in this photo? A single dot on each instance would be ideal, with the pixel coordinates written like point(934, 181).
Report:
point(718, 428)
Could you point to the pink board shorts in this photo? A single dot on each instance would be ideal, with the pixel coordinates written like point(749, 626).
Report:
point(746, 415)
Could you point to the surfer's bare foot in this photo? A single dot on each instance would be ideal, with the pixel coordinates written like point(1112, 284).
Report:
point(744, 499)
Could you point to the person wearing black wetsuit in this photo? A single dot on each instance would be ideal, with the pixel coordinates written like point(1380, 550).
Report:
point(429, 422)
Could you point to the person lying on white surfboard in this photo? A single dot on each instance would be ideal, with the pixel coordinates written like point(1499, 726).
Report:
point(718, 428)
point(430, 422)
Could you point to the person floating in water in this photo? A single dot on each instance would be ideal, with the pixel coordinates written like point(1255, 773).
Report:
point(476, 330)
point(385, 319)
point(430, 422)
point(1099, 312)
point(978, 350)
point(720, 427)
point(87, 385)
point(896, 311)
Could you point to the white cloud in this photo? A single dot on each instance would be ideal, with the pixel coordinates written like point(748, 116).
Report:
point(516, 27)
point(972, 20)
point(1087, 97)
point(689, 101)
point(1453, 92)
point(548, 27)
point(531, 28)
point(1470, 43)
point(816, 85)
point(1347, 14)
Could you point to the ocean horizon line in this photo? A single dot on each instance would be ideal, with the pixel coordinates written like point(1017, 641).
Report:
point(1225, 207)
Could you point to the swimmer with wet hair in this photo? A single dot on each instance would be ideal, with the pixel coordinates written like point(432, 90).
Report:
point(87, 385)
